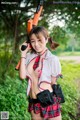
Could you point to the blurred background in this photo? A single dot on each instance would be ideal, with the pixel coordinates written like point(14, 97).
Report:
point(62, 19)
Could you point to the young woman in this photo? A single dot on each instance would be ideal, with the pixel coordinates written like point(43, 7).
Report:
point(42, 69)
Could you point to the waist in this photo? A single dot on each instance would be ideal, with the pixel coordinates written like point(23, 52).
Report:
point(43, 85)
point(34, 101)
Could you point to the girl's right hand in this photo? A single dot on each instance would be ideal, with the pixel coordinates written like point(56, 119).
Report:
point(27, 48)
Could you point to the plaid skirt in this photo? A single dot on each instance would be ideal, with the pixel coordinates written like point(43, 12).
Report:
point(46, 112)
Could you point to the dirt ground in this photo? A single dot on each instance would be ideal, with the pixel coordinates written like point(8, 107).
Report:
point(75, 59)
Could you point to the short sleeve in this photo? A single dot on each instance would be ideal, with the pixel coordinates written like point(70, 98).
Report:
point(29, 57)
point(55, 67)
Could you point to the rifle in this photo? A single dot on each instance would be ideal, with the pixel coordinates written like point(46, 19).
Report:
point(32, 23)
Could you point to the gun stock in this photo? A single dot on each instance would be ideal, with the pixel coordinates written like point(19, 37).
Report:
point(18, 66)
point(36, 16)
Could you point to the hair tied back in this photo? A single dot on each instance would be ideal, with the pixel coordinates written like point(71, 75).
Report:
point(53, 44)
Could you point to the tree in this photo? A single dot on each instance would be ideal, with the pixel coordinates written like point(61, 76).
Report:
point(14, 16)
point(59, 35)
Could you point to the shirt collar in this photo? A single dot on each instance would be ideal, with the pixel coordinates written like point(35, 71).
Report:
point(48, 54)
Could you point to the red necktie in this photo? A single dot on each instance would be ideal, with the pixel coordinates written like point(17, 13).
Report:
point(36, 64)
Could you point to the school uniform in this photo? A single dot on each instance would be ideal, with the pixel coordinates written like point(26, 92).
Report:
point(50, 66)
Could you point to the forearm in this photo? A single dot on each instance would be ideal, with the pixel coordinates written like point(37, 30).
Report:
point(22, 70)
point(54, 80)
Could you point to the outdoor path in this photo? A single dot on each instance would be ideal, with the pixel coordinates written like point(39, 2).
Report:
point(75, 59)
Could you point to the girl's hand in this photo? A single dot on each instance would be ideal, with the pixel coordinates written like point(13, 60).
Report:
point(26, 50)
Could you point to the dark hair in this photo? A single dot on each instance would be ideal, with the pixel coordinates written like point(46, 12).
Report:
point(53, 44)
point(39, 29)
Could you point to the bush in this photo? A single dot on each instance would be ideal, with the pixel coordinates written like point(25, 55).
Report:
point(70, 75)
point(13, 98)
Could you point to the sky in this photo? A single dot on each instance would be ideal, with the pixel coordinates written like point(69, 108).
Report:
point(56, 22)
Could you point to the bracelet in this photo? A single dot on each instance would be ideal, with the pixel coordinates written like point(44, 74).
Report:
point(23, 57)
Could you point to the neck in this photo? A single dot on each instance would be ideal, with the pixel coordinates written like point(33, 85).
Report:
point(42, 52)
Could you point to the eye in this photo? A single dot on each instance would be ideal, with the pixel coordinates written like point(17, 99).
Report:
point(32, 41)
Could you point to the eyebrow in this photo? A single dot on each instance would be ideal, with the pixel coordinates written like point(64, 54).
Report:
point(34, 39)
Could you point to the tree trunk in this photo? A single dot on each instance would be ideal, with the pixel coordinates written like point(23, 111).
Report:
point(16, 34)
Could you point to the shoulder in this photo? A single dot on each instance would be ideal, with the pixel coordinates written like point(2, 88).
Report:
point(30, 56)
point(52, 57)
point(55, 61)
point(55, 58)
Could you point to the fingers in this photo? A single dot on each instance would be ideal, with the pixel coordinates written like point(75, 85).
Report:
point(25, 47)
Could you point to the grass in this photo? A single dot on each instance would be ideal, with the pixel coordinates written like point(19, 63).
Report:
point(69, 83)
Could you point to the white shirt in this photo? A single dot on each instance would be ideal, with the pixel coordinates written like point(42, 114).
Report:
point(51, 67)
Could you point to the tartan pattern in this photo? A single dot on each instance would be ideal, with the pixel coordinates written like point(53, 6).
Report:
point(46, 112)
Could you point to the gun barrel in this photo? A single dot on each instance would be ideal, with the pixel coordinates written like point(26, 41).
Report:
point(36, 16)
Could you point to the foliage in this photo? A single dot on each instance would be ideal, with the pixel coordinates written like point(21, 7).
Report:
point(59, 34)
point(13, 98)
point(13, 94)
point(69, 85)
point(14, 16)
point(8, 61)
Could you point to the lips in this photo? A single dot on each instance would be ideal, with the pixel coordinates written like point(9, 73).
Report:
point(37, 48)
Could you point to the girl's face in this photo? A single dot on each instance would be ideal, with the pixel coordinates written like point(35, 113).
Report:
point(38, 42)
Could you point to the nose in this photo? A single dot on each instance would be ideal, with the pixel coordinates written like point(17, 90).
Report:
point(36, 43)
